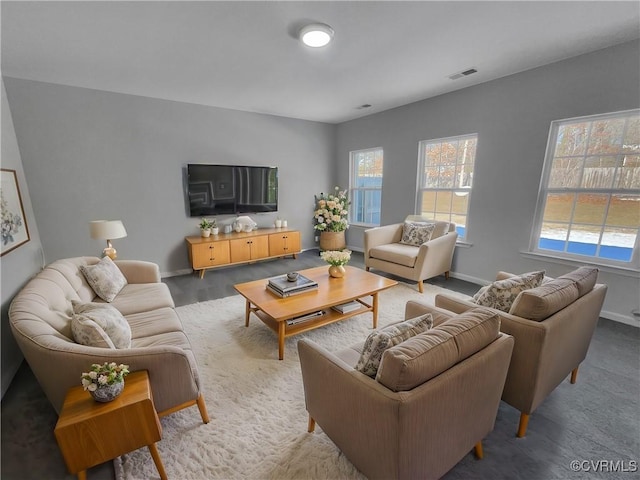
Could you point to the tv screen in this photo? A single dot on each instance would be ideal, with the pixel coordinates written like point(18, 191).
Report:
point(231, 189)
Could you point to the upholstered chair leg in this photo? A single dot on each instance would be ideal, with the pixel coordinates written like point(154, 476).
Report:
point(522, 428)
point(420, 286)
point(312, 425)
point(366, 268)
point(574, 374)
point(446, 275)
point(478, 451)
point(203, 409)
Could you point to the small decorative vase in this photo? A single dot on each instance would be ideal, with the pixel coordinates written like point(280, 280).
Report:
point(108, 392)
point(215, 231)
point(336, 271)
point(205, 232)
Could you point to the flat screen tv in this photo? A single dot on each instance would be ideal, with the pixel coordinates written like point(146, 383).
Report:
point(231, 189)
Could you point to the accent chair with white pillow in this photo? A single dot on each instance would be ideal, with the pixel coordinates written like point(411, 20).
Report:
point(63, 324)
point(416, 249)
point(552, 323)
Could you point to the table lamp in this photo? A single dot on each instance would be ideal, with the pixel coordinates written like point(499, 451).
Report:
point(107, 230)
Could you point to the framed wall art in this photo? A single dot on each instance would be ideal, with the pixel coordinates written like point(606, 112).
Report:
point(14, 223)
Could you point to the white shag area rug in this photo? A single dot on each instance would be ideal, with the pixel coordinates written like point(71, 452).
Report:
point(258, 427)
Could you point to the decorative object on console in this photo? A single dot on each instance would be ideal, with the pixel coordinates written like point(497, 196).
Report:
point(245, 223)
point(337, 259)
point(107, 230)
point(105, 382)
point(14, 223)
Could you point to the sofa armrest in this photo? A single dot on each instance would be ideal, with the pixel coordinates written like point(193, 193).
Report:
point(384, 235)
point(414, 309)
point(139, 271)
point(454, 304)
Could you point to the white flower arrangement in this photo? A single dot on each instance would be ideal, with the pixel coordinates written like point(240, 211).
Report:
point(103, 375)
point(336, 257)
point(331, 212)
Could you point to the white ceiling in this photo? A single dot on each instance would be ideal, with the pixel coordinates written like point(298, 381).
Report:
point(245, 55)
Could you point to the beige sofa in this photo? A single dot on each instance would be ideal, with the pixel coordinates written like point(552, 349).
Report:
point(383, 251)
point(552, 326)
point(40, 317)
point(434, 398)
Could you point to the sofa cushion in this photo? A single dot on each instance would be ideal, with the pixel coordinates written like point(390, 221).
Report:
point(502, 293)
point(424, 356)
point(91, 322)
point(542, 302)
point(396, 253)
point(584, 277)
point(377, 342)
point(142, 297)
point(105, 278)
point(417, 233)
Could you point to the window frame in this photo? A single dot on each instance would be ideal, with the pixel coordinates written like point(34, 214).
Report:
point(420, 188)
point(352, 188)
point(544, 189)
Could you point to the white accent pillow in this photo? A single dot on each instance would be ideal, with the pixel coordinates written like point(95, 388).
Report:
point(99, 325)
point(105, 278)
point(416, 233)
point(377, 342)
point(502, 293)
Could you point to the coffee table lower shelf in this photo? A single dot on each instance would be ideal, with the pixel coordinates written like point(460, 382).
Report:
point(284, 330)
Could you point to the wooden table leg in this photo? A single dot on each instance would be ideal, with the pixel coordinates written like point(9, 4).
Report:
point(156, 459)
point(82, 475)
point(375, 310)
point(247, 313)
point(281, 326)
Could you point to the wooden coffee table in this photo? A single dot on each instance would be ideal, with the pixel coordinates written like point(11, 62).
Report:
point(274, 311)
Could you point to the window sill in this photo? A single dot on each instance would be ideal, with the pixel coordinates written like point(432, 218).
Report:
point(625, 271)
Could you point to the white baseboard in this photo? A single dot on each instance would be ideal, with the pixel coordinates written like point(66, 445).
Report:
point(616, 317)
point(175, 273)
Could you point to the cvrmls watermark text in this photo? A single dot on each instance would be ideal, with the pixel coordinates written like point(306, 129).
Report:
point(604, 466)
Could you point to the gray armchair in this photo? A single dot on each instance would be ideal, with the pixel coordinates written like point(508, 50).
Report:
point(384, 251)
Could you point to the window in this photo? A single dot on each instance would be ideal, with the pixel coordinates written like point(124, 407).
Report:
point(589, 200)
point(365, 186)
point(445, 174)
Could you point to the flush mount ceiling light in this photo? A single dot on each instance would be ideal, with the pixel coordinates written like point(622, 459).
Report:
point(316, 35)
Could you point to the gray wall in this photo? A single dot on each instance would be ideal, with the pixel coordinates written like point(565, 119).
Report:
point(19, 265)
point(93, 155)
point(512, 117)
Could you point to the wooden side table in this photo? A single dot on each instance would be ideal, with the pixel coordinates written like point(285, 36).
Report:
point(90, 433)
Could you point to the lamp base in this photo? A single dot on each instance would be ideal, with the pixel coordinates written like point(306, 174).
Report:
point(110, 252)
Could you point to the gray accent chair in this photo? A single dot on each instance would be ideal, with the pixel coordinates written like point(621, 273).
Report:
point(552, 326)
point(433, 400)
point(383, 251)
point(40, 317)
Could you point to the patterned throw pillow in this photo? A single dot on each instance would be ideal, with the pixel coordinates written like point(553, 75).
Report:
point(502, 293)
point(105, 278)
point(416, 233)
point(377, 342)
point(99, 325)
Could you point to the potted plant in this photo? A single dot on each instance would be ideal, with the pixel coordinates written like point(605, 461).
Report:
point(214, 227)
point(330, 219)
point(205, 227)
point(105, 382)
point(337, 259)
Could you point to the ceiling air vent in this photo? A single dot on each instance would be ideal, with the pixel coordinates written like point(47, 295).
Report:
point(464, 73)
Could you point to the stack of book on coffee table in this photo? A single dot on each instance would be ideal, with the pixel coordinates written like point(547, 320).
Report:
point(282, 287)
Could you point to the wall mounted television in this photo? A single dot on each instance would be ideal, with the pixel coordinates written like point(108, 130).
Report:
point(231, 189)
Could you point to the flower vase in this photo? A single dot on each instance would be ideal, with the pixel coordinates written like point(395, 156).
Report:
point(332, 241)
point(108, 392)
point(337, 271)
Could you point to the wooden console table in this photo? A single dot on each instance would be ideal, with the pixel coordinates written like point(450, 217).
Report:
point(243, 247)
point(90, 433)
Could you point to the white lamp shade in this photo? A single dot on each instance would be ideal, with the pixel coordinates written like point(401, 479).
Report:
point(107, 229)
point(316, 35)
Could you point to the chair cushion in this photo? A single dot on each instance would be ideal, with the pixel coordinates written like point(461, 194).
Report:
point(99, 325)
point(417, 233)
point(424, 356)
point(542, 302)
point(585, 278)
point(105, 278)
point(398, 253)
point(377, 342)
point(502, 293)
